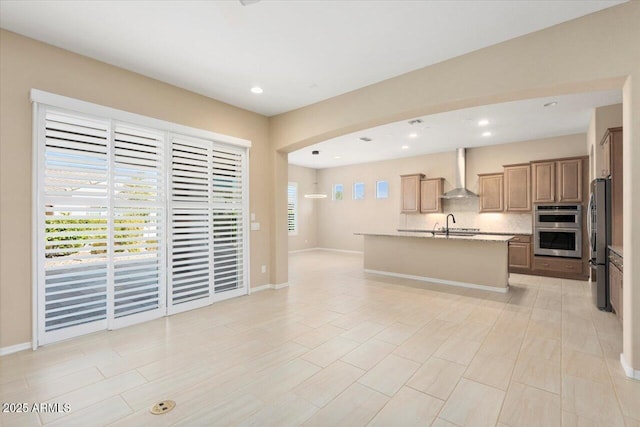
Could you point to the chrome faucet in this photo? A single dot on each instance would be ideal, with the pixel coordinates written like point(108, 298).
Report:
point(433, 230)
point(454, 221)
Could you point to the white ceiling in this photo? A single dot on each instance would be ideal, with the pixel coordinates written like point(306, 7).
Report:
point(299, 52)
point(508, 122)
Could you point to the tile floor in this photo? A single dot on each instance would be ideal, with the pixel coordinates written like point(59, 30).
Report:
point(341, 347)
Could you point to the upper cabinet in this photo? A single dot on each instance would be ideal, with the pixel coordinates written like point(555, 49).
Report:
point(491, 189)
point(544, 181)
point(517, 188)
point(410, 190)
point(612, 143)
point(606, 154)
point(430, 192)
point(569, 180)
point(557, 181)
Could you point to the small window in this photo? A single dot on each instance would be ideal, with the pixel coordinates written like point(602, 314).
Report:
point(382, 190)
point(338, 192)
point(292, 208)
point(358, 191)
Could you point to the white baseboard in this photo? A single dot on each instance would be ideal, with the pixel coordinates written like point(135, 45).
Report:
point(303, 250)
point(628, 370)
point(344, 251)
point(268, 286)
point(441, 281)
point(14, 348)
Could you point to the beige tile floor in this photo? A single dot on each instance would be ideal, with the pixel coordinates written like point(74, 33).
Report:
point(341, 347)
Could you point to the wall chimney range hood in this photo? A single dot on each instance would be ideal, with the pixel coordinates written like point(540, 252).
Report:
point(460, 190)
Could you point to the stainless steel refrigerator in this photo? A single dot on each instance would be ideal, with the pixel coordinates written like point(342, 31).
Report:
point(599, 228)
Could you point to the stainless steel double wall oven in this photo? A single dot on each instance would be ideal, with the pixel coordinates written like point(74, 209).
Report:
point(558, 230)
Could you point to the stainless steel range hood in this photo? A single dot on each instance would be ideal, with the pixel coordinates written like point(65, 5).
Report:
point(460, 191)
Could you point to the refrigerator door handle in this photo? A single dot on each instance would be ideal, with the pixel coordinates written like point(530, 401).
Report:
point(592, 238)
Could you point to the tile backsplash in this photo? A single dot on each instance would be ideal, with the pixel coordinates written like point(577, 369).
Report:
point(467, 216)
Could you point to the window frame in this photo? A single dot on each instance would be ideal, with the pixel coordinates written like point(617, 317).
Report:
point(378, 189)
point(355, 191)
point(334, 192)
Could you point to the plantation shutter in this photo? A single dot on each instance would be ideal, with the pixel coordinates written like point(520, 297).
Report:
point(229, 184)
point(292, 208)
point(138, 224)
point(134, 218)
point(191, 231)
point(73, 223)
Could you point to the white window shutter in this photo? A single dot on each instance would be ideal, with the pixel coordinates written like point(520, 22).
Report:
point(292, 208)
point(74, 225)
point(138, 223)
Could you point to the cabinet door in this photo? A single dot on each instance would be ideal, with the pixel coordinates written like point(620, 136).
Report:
point(410, 193)
point(491, 193)
point(430, 192)
point(569, 180)
point(517, 188)
point(520, 255)
point(617, 202)
point(606, 156)
point(614, 289)
point(544, 180)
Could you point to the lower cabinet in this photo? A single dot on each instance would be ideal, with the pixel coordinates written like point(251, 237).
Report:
point(615, 289)
point(520, 254)
point(563, 266)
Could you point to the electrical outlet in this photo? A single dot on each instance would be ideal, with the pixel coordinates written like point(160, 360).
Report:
point(264, 268)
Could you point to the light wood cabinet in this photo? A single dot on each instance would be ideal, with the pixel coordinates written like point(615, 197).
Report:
point(557, 265)
point(430, 192)
point(569, 179)
point(615, 289)
point(520, 254)
point(491, 189)
point(606, 155)
point(410, 190)
point(613, 139)
point(557, 181)
point(543, 175)
point(517, 188)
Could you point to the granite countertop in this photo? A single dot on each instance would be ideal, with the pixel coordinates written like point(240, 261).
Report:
point(492, 233)
point(617, 250)
point(475, 236)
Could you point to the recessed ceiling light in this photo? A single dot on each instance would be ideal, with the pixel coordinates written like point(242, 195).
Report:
point(405, 147)
point(551, 104)
point(483, 122)
point(315, 152)
point(413, 135)
point(256, 89)
point(336, 157)
point(486, 133)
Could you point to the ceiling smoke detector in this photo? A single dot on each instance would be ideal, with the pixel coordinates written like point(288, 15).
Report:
point(415, 122)
point(315, 152)
point(366, 139)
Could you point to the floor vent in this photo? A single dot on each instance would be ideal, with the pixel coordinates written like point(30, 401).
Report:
point(162, 407)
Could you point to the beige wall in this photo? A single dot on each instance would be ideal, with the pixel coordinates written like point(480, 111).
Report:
point(596, 52)
point(307, 216)
point(339, 219)
point(27, 64)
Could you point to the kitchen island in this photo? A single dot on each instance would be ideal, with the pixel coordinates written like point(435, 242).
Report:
point(470, 260)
